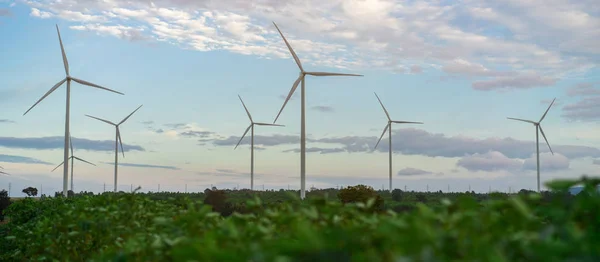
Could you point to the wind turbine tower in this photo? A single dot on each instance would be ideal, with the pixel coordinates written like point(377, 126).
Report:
point(538, 129)
point(117, 140)
point(388, 127)
point(72, 157)
point(251, 127)
point(302, 109)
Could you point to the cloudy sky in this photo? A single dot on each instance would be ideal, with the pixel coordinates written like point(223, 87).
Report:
point(461, 67)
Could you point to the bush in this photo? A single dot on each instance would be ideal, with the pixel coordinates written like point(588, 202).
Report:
point(421, 197)
point(397, 195)
point(217, 199)
point(4, 203)
point(361, 194)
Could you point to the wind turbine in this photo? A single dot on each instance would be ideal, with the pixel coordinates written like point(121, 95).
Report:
point(302, 109)
point(72, 157)
point(251, 126)
point(538, 129)
point(67, 79)
point(388, 127)
point(117, 139)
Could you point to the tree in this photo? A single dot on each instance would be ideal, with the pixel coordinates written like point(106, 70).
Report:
point(4, 203)
point(421, 197)
point(30, 191)
point(361, 193)
point(217, 199)
point(397, 195)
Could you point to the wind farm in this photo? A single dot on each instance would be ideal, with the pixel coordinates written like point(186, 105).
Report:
point(183, 182)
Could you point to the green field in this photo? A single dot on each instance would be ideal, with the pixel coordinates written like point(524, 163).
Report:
point(276, 226)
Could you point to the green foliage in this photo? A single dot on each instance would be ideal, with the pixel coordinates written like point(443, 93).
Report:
point(137, 227)
point(4, 203)
point(397, 195)
point(217, 199)
point(361, 194)
point(30, 191)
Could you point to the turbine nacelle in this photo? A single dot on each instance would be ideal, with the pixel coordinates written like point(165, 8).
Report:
point(302, 73)
point(538, 124)
point(252, 123)
point(390, 121)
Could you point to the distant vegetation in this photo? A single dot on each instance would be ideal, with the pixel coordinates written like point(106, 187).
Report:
point(353, 224)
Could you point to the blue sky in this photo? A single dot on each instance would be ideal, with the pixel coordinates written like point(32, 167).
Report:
point(461, 67)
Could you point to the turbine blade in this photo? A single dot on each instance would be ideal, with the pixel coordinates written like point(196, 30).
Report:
point(383, 133)
point(543, 116)
point(83, 160)
point(406, 122)
point(58, 166)
point(47, 94)
point(71, 144)
point(523, 120)
point(242, 136)
point(105, 121)
point(544, 135)
point(330, 74)
point(120, 141)
point(247, 112)
point(289, 96)
point(62, 49)
point(83, 82)
point(290, 48)
point(266, 124)
point(384, 110)
point(129, 115)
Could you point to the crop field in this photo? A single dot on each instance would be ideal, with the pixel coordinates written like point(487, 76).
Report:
point(352, 224)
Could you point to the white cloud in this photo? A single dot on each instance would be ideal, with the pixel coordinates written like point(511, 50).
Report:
point(547, 162)
point(546, 40)
point(41, 14)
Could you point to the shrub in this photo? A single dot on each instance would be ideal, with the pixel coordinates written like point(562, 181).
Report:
point(421, 197)
point(217, 199)
point(361, 194)
point(397, 195)
point(4, 203)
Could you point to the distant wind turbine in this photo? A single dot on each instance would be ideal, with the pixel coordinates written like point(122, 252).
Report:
point(251, 126)
point(72, 157)
point(388, 127)
point(117, 140)
point(67, 79)
point(302, 110)
point(538, 129)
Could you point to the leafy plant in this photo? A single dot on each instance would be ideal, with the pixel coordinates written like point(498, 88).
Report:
point(30, 191)
point(4, 203)
point(361, 194)
point(552, 226)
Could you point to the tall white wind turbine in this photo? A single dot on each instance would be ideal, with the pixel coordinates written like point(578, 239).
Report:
point(117, 139)
point(251, 126)
point(538, 129)
point(67, 79)
point(72, 157)
point(388, 127)
point(302, 109)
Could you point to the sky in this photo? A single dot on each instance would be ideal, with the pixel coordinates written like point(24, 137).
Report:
point(461, 67)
